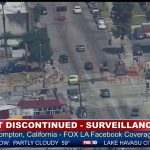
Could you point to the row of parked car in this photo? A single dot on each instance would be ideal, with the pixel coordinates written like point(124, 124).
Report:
point(17, 66)
point(73, 94)
point(96, 12)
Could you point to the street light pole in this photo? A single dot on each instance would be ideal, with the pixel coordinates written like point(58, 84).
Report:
point(40, 56)
point(26, 57)
point(80, 94)
point(80, 100)
point(70, 99)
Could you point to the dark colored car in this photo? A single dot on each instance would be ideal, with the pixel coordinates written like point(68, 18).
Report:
point(94, 10)
point(120, 68)
point(73, 94)
point(96, 13)
point(98, 17)
point(80, 48)
point(88, 66)
point(139, 33)
point(104, 93)
point(137, 50)
point(12, 69)
point(82, 112)
point(63, 58)
point(43, 10)
point(135, 111)
point(91, 4)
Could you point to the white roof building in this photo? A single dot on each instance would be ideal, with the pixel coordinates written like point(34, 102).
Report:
point(14, 7)
point(15, 17)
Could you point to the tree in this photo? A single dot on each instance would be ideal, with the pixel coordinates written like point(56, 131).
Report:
point(38, 41)
point(122, 18)
point(37, 12)
point(143, 5)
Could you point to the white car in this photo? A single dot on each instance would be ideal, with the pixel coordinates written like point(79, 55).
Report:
point(100, 20)
point(77, 10)
point(101, 25)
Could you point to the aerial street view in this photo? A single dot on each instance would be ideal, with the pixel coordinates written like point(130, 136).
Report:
point(75, 60)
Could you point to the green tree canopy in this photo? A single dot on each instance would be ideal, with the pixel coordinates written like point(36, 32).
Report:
point(36, 38)
point(122, 18)
point(37, 12)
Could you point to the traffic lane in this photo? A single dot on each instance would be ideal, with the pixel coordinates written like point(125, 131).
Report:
point(118, 110)
point(133, 90)
point(96, 38)
point(91, 100)
point(62, 26)
point(56, 30)
point(77, 37)
point(67, 30)
point(72, 47)
point(68, 44)
point(106, 106)
point(118, 103)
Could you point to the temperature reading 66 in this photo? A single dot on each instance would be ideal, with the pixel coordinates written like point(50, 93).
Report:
point(65, 142)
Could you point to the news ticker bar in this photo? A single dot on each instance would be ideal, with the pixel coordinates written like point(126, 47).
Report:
point(74, 125)
point(74, 139)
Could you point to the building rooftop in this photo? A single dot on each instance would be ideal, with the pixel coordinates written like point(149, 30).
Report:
point(14, 8)
point(43, 103)
point(7, 107)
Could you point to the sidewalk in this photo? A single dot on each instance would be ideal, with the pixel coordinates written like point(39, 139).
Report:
point(127, 57)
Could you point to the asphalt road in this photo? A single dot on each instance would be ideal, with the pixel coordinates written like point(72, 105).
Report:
point(81, 29)
point(65, 35)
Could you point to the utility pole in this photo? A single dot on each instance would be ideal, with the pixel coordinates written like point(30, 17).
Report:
point(80, 94)
point(40, 55)
point(80, 99)
point(26, 57)
point(4, 33)
point(70, 92)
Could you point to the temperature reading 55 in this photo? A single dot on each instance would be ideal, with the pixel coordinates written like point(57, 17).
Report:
point(64, 142)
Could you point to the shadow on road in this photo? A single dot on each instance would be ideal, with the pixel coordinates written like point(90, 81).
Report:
point(145, 48)
point(113, 50)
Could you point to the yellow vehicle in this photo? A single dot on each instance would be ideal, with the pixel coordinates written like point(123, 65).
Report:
point(73, 79)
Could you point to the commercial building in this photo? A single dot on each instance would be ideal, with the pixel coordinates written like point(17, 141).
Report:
point(48, 106)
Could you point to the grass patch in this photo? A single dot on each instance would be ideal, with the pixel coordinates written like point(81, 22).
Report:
point(137, 20)
point(104, 8)
point(137, 9)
